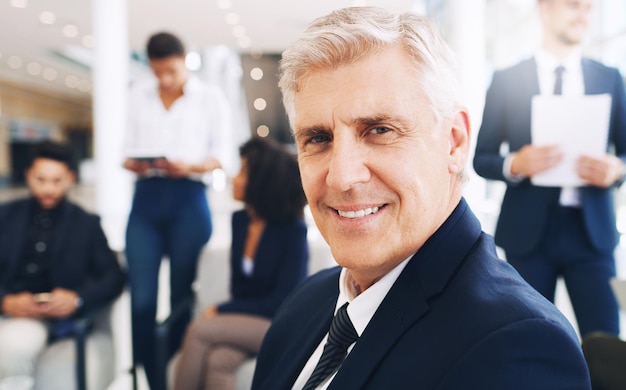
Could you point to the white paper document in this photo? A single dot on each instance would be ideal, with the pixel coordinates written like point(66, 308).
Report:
point(579, 124)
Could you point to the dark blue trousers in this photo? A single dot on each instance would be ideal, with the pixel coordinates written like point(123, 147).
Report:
point(169, 217)
point(566, 251)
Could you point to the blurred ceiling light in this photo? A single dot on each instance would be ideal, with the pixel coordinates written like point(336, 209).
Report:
point(263, 131)
point(260, 104)
point(256, 54)
point(19, 3)
point(224, 4)
point(231, 18)
point(239, 31)
point(33, 68)
point(256, 74)
point(89, 41)
point(47, 17)
point(72, 81)
point(193, 61)
point(14, 62)
point(50, 74)
point(70, 30)
point(244, 42)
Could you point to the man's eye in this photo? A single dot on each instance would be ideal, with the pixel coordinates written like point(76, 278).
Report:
point(318, 139)
point(380, 130)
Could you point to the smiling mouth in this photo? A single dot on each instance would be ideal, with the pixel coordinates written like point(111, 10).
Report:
point(352, 214)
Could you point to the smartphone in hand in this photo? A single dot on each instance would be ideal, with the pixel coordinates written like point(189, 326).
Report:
point(42, 297)
point(150, 160)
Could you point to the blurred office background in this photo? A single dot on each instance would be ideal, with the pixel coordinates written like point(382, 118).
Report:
point(66, 65)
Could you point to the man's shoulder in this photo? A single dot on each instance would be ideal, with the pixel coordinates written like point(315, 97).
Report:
point(598, 66)
point(522, 66)
point(13, 205)
point(8, 204)
point(498, 288)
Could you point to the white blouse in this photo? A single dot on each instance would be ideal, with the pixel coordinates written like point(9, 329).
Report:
point(189, 131)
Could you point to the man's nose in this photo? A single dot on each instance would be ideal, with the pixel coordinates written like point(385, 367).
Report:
point(348, 165)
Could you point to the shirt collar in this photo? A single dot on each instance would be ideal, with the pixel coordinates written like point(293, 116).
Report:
point(547, 62)
point(362, 308)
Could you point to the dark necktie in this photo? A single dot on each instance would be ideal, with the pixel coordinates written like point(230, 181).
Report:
point(340, 336)
point(558, 82)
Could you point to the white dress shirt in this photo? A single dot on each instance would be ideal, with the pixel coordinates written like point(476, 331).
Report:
point(573, 85)
point(360, 310)
point(188, 131)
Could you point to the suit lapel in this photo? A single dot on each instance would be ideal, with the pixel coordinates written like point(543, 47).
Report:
point(311, 335)
point(286, 370)
point(61, 231)
point(594, 79)
point(425, 276)
point(527, 85)
point(18, 233)
point(531, 77)
point(391, 321)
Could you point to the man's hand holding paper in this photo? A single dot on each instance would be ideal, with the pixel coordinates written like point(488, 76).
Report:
point(531, 160)
point(579, 125)
point(600, 172)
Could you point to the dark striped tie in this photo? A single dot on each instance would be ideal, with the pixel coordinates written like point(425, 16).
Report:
point(558, 81)
point(340, 336)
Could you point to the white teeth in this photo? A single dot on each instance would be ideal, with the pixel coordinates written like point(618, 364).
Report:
point(358, 213)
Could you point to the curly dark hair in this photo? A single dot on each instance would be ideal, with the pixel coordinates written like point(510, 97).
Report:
point(273, 189)
point(163, 45)
point(53, 150)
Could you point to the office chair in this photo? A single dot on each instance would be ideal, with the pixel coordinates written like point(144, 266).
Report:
point(64, 363)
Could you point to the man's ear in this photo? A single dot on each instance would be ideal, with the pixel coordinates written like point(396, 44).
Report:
point(72, 176)
point(460, 138)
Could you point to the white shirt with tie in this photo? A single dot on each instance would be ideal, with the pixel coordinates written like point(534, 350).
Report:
point(573, 85)
point(360, 310)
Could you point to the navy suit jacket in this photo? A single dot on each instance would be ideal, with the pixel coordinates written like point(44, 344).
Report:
point(280, 264)
point(507, 119)
point(457, 317)
point(81, 258)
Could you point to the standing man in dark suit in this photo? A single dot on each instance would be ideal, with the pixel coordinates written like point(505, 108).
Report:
point(422, 301)
point(547, 232)
point(54, 261)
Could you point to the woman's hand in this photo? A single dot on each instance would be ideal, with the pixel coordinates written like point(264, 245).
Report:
point(210, 311)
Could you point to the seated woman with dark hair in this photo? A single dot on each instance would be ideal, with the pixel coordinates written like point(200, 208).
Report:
point(269, 257)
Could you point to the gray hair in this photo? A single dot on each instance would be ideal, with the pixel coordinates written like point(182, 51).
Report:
point(347, 35)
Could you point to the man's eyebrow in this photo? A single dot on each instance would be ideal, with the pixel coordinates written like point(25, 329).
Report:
point(362, 121)
point(378, 119)
point(310, 131)
point(372, 120)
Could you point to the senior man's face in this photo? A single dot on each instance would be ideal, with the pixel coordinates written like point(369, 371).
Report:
point(379, 171)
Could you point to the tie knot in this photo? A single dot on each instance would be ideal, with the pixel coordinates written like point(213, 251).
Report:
point(342, 331)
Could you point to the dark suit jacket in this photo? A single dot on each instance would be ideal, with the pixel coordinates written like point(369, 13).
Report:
point(280, 264)
point(81, 258)
point(507, 118)
point(457, 317)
